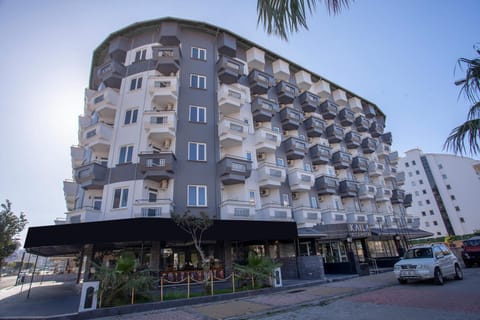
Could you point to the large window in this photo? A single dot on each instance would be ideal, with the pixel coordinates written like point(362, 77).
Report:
point(197, 196)
point(120, 198)
point(197, 114)
point(198, 53)
point(131, 116)
point(136, 83)
point(197, 151)
point(141, 55)
point(126, 153)
point(198, 81)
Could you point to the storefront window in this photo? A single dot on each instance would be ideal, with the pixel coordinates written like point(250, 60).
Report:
point(382, 248)
point(333, 252)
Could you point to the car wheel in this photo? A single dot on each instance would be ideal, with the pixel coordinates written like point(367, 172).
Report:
point(402, 281)
point(438, 277)
point(458, 272)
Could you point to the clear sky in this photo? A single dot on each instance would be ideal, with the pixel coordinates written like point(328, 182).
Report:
point(400, 55)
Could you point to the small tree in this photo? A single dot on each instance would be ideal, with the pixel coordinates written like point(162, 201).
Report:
point(258, 270)
point(10, 226)
point(195, 226)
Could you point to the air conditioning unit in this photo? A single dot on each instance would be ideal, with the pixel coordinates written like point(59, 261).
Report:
point(295, 196)
point(264, 192)
point(258, 125)
point(320, 199)
point(315, 167)
point(310, 140)
point(289, 162)
point(261, 156)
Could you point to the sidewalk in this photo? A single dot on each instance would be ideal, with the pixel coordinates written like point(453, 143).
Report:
point(60, 301)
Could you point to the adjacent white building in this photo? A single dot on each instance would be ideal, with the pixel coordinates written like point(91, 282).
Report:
point(445, 191)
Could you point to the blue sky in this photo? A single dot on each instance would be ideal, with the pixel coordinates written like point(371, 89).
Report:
point(400, 55)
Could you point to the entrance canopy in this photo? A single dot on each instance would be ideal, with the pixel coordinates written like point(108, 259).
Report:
point(56, 240)
point(409, 233)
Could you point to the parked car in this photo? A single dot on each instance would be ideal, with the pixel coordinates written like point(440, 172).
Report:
point(425, 262)
point(471, 251)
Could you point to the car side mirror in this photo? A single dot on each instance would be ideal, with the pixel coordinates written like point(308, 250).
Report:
point(439, 256)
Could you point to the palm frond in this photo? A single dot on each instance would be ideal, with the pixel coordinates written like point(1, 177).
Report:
point(465, 134)
point(470, 84)
point(283, 17)
point(474, 112)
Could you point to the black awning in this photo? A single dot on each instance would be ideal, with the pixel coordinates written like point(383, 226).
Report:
point(70, 238)
point(409, 233)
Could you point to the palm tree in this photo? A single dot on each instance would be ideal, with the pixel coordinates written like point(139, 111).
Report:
point(467, 135)
point(283, 17)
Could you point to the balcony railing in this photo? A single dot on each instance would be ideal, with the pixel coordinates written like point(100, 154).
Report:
point(320, 154)
point(346, 117)
point(263, 109)
point(300, 180)
point(376, 129)
point(326, 185)
point(167, 59)
point(328, 109)
point(105, 103)
point(160, 125)
point(286, 92)
point(291, 118)
point(232, 132)
point(353, 139)
point(375, 168)
point(85, 214)
point(163, 90)
point(160, 208)
point(341, 160)
point(294, 148)
point(369, 145)
point(334, 133)
point(315, 127)
point(274, 212)
point(97, 136)
point(111, 74)
point(267, 140)
point(348, 188)
point(234, 170)
point(157, 166)
point(309, 101)
point(366, 191)
point(229, 69)
point(359, 164)
point(91, 176)
point(383, 194)
point(306, 214)
point(269, 175)
point(362, 124)
point(230, 100)
point(237, 209)
point(260, 81)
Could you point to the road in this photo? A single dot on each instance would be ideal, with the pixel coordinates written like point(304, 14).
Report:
point(422, 300)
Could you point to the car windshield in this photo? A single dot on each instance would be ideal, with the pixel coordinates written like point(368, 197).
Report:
point(472, 242)
point(419, 253)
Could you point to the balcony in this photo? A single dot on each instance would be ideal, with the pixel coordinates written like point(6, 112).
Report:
point(346, 117)
point(274, 212)
point(269, 175)
point(78, 155)
point(281, 70)
point(334, 133)
point(341, 160)
point(307, 215)
point(328, 110)
point(398, 196)
point(300, 180)
point(237, 210)
point(234, 170)
point(320, 154)
point(111, 74)
point(390, 173)
point(353, 139)
point(376, 129)
point(163, 90)
point(362, 124)
point(169, 33)
point(267, 140)
point(230, 100)
point(321, 88)
point(160, 126)
point(315, 127)
point(260, 82)
point(91, 176)
point(161, 208)
point(255, 58)
point(383, 194)
point(355, 104)
point(98, 137)
point(326, 185)
point(393, 157)
point(263, 109)
point(340, 97)
point(232, 132)
point(294, 148)
point(400, 178)
point(369, 111)
point(70, 190)
point(387, 138)
point(348, 188)
point(291, 118)
point(85, 214)
point(286, 92)
point(309, 101)
point(167, 59)
point(105, 104)
point(229, 70)
point(375, 169)
point(157, 166)
point(369, 145)
point(332, 216)
point(366, 191)
point(383, 150)
point(303, 79)
point(359, 164)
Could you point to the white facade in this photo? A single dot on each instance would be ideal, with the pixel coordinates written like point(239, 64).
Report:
point(445, 190)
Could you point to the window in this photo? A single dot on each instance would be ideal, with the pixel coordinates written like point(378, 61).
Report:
point(427, 224)
point(198, 81)
point(197, 151)
point(432, 213)
point(308, 167)
point(424, 191)
point(444, 176)
point(120, 198)
point(131, 116)
point(416, 193)
point(140, 55)
point(435, 223)
point(457, 208)
point(413, 183)
point(251, 197)
point(197, 196)
point(275, 129)
point(417, 172)
point(97, 203)
point(280, 162)
point(413, 163)
point(452, 197)
point(410, 174)
point(448, 187)
point(427, 201)
point(197, 114)
point(248, 155)
point(302, 137)
point(420, 181)
point(462, 220)
point(420, 203)
point(314, 202)
point(125, 154)
point(286, 200)
point(440, 166)
point(198, 53)
point(424, 214)
point(136, 83)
